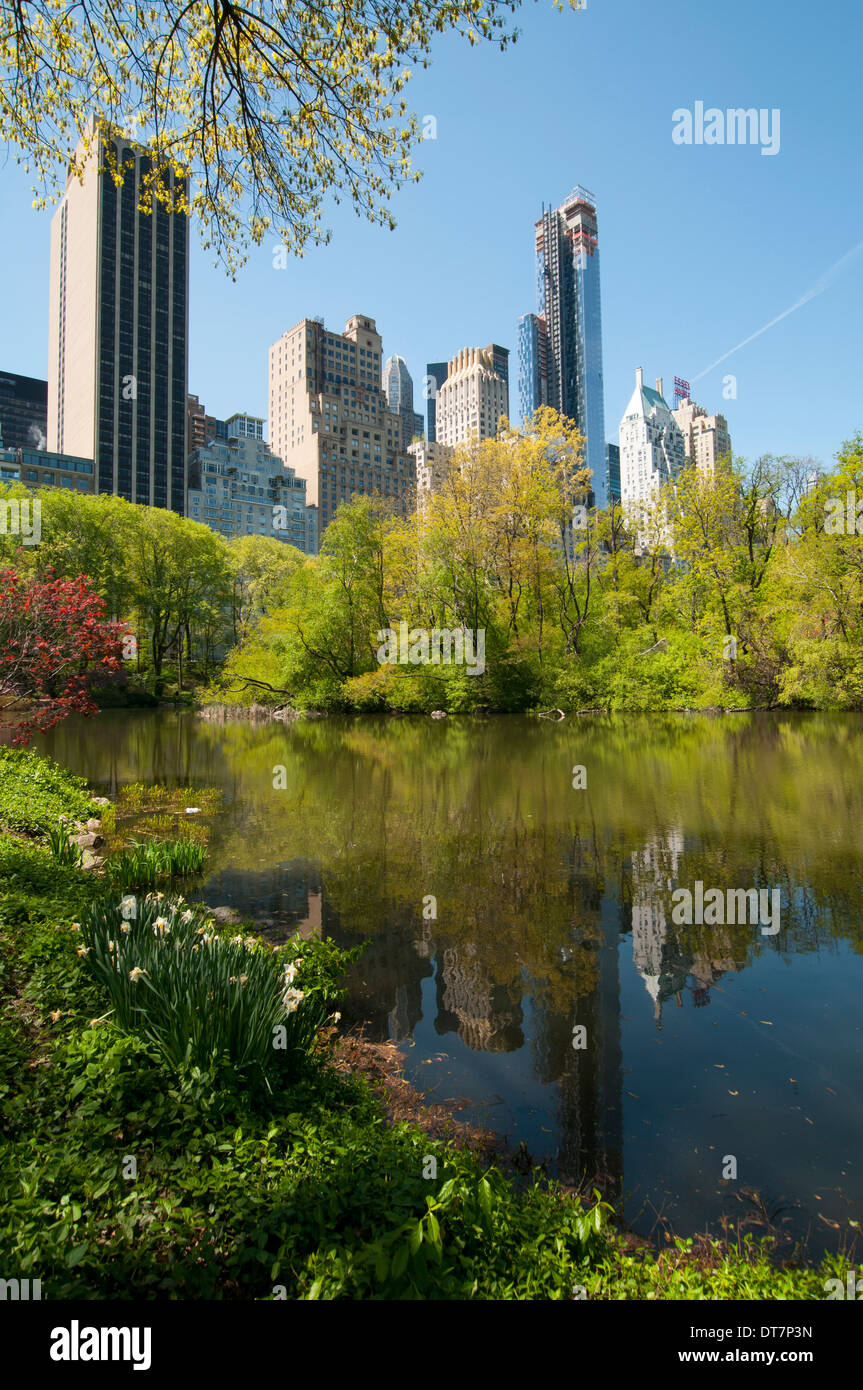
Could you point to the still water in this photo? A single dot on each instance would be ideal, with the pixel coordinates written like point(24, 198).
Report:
point(552, 890)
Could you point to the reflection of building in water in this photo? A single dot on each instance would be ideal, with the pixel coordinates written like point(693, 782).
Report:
point(654, 868)
point(485, 1016)
point(589, 1079)
point(313, 921)
point(661, 962)
point(385, 984)
point(706, 970)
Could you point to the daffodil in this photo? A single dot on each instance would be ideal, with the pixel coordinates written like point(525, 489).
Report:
point(291, 999)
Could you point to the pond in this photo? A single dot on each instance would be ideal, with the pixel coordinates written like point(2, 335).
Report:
point(517, 884)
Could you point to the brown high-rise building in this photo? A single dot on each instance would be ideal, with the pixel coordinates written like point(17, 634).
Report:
point(329, 418)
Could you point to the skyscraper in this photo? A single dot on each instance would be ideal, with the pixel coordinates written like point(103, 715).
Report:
point(238, 487)
point(398, 388)
point(329, 418)
point(23, 411)
point(705, 437)
point(612, 471)
point(651, 444)
point(472, 399)
point(532, 349)
point(435, 378)
point(569, 305)
point(118, 371)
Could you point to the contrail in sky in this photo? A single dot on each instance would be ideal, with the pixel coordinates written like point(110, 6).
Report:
point(822, 284)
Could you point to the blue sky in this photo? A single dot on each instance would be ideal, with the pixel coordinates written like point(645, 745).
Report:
point(701, 245)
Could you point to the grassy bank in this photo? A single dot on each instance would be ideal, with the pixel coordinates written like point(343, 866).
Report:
point(130, 1169)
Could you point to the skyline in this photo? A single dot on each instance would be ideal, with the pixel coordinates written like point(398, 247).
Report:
point(703, 248)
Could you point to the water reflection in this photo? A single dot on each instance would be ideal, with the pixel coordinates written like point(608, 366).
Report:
point(553, 913)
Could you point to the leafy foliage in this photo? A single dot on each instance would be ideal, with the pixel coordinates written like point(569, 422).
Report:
point(53, 633)
point(35, 793)
point(146, 863)
point(268, 105)
point(204, 1002)
point(730, 590)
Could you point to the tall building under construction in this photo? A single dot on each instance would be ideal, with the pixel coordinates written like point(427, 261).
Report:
point(560, 347)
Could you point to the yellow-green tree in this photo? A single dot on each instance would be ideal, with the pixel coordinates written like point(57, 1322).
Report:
point(268, 104)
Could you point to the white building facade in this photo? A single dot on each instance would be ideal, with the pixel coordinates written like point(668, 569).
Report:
point(471, 400)
point(651, 445)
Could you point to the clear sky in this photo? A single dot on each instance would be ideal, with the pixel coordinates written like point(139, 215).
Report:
point(701, 245)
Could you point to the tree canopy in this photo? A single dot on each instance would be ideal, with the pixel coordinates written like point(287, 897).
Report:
point(269, 105)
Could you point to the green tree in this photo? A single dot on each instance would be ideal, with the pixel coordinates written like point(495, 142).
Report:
point(182, 577)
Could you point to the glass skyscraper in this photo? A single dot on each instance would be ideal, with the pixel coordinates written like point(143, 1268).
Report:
point(560, 347)
point(117, 381)
point(23, 411)
point(435, 378)
point(398, 387)
point(532, 351)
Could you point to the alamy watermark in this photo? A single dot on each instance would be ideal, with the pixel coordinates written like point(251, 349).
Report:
point(851, 1289)
point(844, 515)
point(421, 646)
point(21, 518)
point(735, 126)
point(717, 907)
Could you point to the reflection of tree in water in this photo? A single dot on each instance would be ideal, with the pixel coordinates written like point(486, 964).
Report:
point(487, 1017)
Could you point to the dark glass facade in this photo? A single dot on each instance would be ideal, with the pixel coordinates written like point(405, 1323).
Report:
point(612, 460)
point(436, 375)
point(142, 352)
point(568, 302)
point(23, 411)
